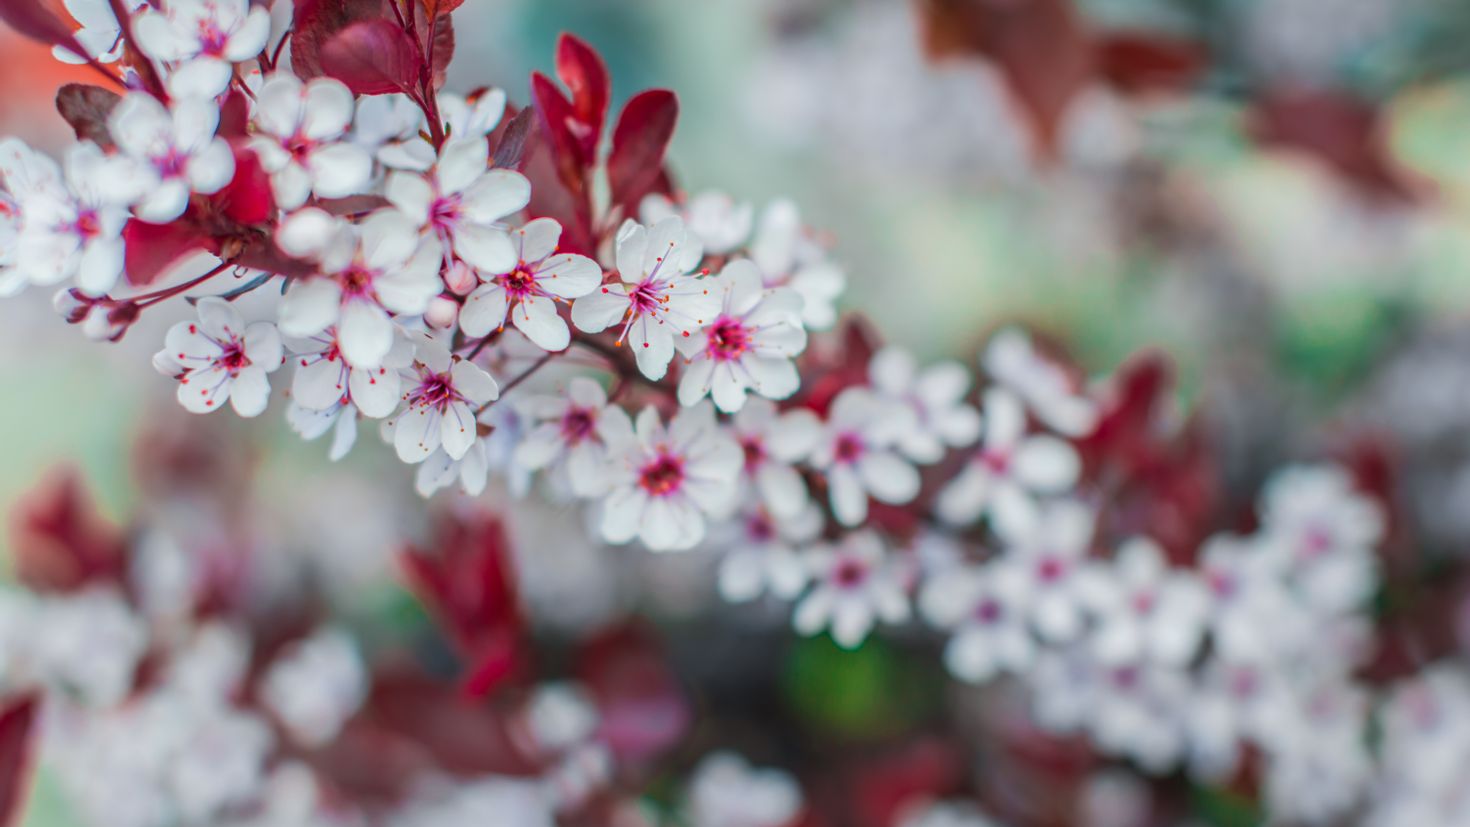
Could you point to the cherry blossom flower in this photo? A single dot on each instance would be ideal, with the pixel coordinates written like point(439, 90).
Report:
point(1235, 702)
point(462, 203)
point(748, 347)
point(720, 223)
point(656, 300)
point(299, 140)
point(855, 586)
point(312, 423)
point(1146, 612)
point(762, 553)
point(70, 226)
point(315, 685)
point(1130, 710)
point(858, 454)
point(1053, 559)
point(1324, 533)
point(727, 792)
point(323, 378)
point(772, 443)
point(1006, 476)
point(1317, 763)
point(1042, 384)
point(369, 270)
point(442, 396)
point(935, 395)
point(100, 34)
point(564, 435)
point(202, 40)
point(220, 359)
point(528, 290)
point(944, 814)
point(175, 152)
point(474, 116)
point(985, 608)
point(12, 277)
point(665, 481)
point(87, 645)
point(1252, 614)
point(787, 257)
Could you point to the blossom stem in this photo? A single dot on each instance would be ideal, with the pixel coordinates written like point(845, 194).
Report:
point(150, 299)
point(150, 74)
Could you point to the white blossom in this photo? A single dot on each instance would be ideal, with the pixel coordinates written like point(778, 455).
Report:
point(727, 792)
point(299, 139)
point(936, 397)
point(858, 454)
point(220, 358)
point(174, 151)
point(788, 257)
point(564, 435)
point(315, 685)
point(528, 291)
point(720, 223)
point(985, 609)
point(1042, 384)
point(442, 396)
point(201, 40)
point(773, 442)
point(856, 584)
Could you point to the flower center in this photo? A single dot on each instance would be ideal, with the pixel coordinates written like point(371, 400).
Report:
point(1144, 602)
point(212, 40)
point(88, 224)
point(728, 339)
point(171, 163)
point(1050, 569)
point(755, 452)
point(357, 280)
point(996, 461)
point(849, 448)
point(445, 212)
point(519, 283)
point(646, 298)
point(988, 611)
point(662, 476)
point(849, 573)
point(760, 529)
point(232, 358)
point(1316, 542)
point(435, 390)
point(577, 424)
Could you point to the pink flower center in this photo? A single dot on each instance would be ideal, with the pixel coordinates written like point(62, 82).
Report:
point(729, 339)
point(849, 573)
point(577, 424)
point(760, 529)
point(88, 224)
point(663, 476)
point(232, 358)
point(171, 163)
point(755, 452)
point(1144, 602)
point(988, 611)
point(357, 281)
point(997, 461)
point(445, 212)
point(849, 448)
point(646, 298)
point(1243, 682)
point(519, 284)
point(435, 390)
point(212, 40)
point(1316, 542)
point(1051, 568)
point(1126, 677)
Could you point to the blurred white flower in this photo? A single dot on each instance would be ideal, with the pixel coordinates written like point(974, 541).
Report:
point(855, 585)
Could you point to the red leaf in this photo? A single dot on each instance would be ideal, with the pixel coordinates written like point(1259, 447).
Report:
point(59, 542)
point(315, 22)
point(582, 70)
point(1140, 62)
point(87, 108)
point(638, 145)
point(441, 46)
point(247, 199)
point(644, 709)
point(152, 248)
point(468, 585)
point(234, 115)
point(557, 118)
point(35, 20)
point(17, 755)
point(1345, 133)
point(510, 142)
point(434, 8)
point(374, 57)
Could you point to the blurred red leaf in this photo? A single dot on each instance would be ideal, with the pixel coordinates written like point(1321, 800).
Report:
point(152, 248)
point(316, 22)
point(511, 138)
point(639, 142)
point(373, 57)
point(1141, 62)
point(644, 709)
point(468, 584)
point(1339, 130)
point(59, 542)
point(557, 116)
point(433, 8)
point(38, 21)
point(17, 755)
point(87, 108)
point(585, 75)
point(247, 199)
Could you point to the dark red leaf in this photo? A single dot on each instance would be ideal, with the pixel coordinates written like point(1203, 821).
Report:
point(374, 57)
point(510, 150)
point(1142, 62)
point(468, 584)
point(638, 145)
point(644, 709)
point(441, 46)
point(557, 119)
point(315, 22)
point(234, 115)
point(1042, 48)
point(551, 198)
point(1344, 133)
point(152, 248)
point(87, 108)
point(37, 21)
point(434, 8)
point(17, 755)
point(59, 542)
point(582, 70)
point(247, 199)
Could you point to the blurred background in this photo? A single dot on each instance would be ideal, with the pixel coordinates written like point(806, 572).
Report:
point(1274, 193)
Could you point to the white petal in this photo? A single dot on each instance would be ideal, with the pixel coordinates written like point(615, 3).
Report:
point(340, 170)
point(365, 333)
point(536, 317)
point(310, 306)
point(250, 392)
